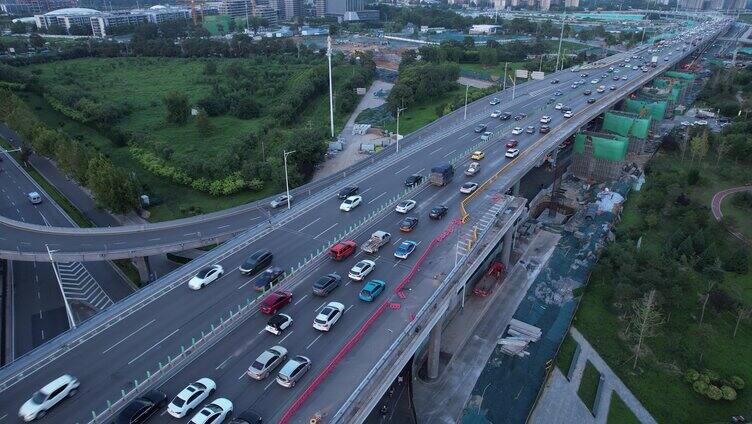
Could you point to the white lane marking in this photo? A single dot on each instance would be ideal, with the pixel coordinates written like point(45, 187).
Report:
point(301, 299)
point(288, 335)
point(309, 224)
point(403, 168)
point(42, 334)
point(463, 136)
point(223, 226)
point(155, 239)
point(350, 307)
point(366, 191)
point(242, 375)
point(152, 347)
point(223, 363)
point(421, 170)
point(47, 223)
point(314, 341)
point(320, 306)
point(245, 284)
point(189, 234)
point(376, 198)
point(3, 417)
point(322, 233)
point(129, 335)
point(396, 241)
point(450, 153)
point(269, 385)
point(434, 151)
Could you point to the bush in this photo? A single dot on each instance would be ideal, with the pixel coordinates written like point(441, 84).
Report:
point(728, 393)
point(700, 387)
point(691, 375)
point(713, 392)
point(693, 177)
point(736, 382)
point(256, 184)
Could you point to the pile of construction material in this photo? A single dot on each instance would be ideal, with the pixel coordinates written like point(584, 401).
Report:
point(519, 335)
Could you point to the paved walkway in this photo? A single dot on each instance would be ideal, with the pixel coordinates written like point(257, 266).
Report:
point(560, 402)
point(715, 206)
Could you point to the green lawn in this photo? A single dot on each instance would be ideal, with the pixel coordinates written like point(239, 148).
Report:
point(589, 385)
point(422, 114)
point(566, 354)
point(739, 215)
point(618, 413)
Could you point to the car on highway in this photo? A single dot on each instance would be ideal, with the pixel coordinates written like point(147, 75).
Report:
point(554, 81)
point(142, 408)
point(472, 169)
point(600, 89)
point(530, 129)
point(568, 114)
point(268, 279)
point(213, 413)
point(191, 397)
point(512, 153)
point(34, 197)
point(206, 276)
point(558, 106)
point(505, 116)
point(583, 75)
point(565, 109)
point(408, 224)
point(574, 85)
point(293, 371)
point(281, 200)
point(558, 93)
point(486, 136)
point(275, 301)
point(405, 206)
point(480, 128)
point(623, 77)
point(495, 101)
point(520, 116)
point(341, 250)
point(544, 129)
point(360, 270)
point(587, 92)
point(468, 187)
point(266, 362)
point(328, 316)
point(496, 113)
point(413, 180)
point(477, 155)
point(612, 87)
point(278, 323)
point(256, 262)
point(616, 78)
point(248, 416)
point(591, 100)
point(405, 249)
point(545, 119)
point(517, 130)
point(326, 284)
point(351, 203)
point(347, 192)
point(595, 81)
point(48, 396)
point(371, 290)
point(438, 212)
point(512, 143)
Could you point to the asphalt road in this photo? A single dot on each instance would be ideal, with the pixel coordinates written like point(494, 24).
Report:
point(38, 309)
point(110, 361)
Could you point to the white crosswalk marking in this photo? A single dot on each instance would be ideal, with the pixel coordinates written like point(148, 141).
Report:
point(79, 285)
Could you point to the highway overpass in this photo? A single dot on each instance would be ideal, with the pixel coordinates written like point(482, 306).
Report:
point(168, 335)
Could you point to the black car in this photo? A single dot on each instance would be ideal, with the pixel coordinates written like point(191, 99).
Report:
point(438, 212)
point(413, 180)
point(505, 115)
point(326, 284)
point(347, 192)
point(256, 262)
point(520, 116)
point(247, 417)
point(480, 128)
point(554, 81)
point(269, 278)
point(591, 100)
point(544, 129)
point(142, 408)
point(565, 109)
point(408, 224)
point(587, 92)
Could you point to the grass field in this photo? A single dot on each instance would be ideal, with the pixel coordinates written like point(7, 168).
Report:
point(589, 385)
point(618, 413)
point(566, 354)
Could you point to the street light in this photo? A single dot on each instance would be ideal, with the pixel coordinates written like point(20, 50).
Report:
point(399, 110)
point(287, 180)
point(467, 88)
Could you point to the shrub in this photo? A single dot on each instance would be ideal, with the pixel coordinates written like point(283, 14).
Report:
point(713, 392)
point(691, 375)
point(256, 184)
point(728, 393)
point(693, 177)
point(700, 387)
point(736, 382)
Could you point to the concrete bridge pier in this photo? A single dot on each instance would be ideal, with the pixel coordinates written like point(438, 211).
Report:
point(506, 248)
point(516, 188)
point(434, 350)
point(143, 267)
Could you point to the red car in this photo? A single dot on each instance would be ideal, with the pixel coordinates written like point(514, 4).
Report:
point(512, 144)
point(275, 302)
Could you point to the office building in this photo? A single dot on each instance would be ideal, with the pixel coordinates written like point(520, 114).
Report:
point(34, 7)
point(319, 8)
point(101, 21)
point(243, 8)
point(571, 3)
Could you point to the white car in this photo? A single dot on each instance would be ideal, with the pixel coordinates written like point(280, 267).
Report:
point(205, 276)
point(568, 114)
point(213, 413)
point(496, 113)
point(34, 197)
point(266, 362)
point(278, 323)
point(328, 316)
point(468, 188)
point(701, 123)
point(350, 203)
point(360, 270)
point(517, 130)
point(486, 135)
point(623, 77)
point(545, 119)
point(191, 397)
point(281, 200)
point(293, 371)
point(512, 153)
point(558, 106)
point(405, 206)
point(48, 396)
point(595, 81)
point(495, 101)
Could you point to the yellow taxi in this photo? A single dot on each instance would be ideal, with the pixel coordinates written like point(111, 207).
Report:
point(477, 155)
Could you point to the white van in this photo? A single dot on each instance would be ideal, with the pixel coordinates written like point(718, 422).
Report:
point(34, 197)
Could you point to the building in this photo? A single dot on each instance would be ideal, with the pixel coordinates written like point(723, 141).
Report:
point(598, 157)
point(101, 21)
point(319, 8)
point(34, 7)
point(483, 29)
point(545, 4)
point(500, 4)
point(571, 3)
point(247, 8)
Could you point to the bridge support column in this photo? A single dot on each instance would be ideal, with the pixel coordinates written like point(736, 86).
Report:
point(506, 249)
point(434, 350)
point(143, 267)
point(516, 189)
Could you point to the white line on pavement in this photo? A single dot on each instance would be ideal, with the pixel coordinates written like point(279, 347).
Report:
point(301, 299)
point(223, 363)
point(288, 335)
point(129, 335)
point(320, 306)
point(152, 347)
point(314, 341)
point(310, 223)
point(403, 168)
point(322, 233)
point(450, 153)
point(375, 198)
point(349, 307)
point(269, 385)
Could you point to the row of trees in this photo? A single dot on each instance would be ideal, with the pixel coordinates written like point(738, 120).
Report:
point(421, 81)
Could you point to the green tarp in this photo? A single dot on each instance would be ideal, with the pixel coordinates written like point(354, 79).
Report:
point(657, 110)
point(626, 125)
point(612, 149)
point(680, 75)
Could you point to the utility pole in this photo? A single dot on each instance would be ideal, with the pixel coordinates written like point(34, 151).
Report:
point(561, 38)
point(467, 88)
point(399, 110)
point(68, 311)
point(505, 75)
point(514, 85)
point(331, 95)
point(287, 180)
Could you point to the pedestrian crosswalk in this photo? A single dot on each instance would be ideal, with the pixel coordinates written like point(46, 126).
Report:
point(495, 204)
point(79, 285)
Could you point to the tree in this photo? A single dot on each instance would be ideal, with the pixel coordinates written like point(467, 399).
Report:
point(698, 146)
point(723, 147)
point(256, 22)
point(177, 107)
point(210, 68)
point(203, 123)
point(231, 25)
point(25, 154)
point(646, 319)
point(18, 27)
point(711, 285)
point(36, 41)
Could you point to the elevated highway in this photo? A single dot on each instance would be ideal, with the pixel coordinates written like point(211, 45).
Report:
point(166, 335)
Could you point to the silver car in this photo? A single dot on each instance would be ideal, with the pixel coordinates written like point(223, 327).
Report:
point(281, 200)
point(266, 362)
point(293, 371)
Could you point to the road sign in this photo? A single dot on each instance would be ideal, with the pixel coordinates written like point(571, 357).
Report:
point(537, 75)
point(520, 73)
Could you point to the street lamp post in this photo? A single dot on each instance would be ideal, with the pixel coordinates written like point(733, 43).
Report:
point(467, 88)
point(399, 110)
point(331, 95)
point(68, 311)
point(287, 180)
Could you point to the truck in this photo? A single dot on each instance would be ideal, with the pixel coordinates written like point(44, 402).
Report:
point(378, 239)
point(442, 174)
point(490, 279)
point(654, 61)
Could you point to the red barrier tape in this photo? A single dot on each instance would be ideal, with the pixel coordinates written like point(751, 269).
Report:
point(369, 322)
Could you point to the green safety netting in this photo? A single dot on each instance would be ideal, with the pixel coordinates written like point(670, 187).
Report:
point(613, 149)
point(657, 110)
point(745, 50)
point(680, 75)
point(626, 125)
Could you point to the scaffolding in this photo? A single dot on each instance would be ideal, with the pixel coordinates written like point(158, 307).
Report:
point(631, 125)
point(599, 156)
